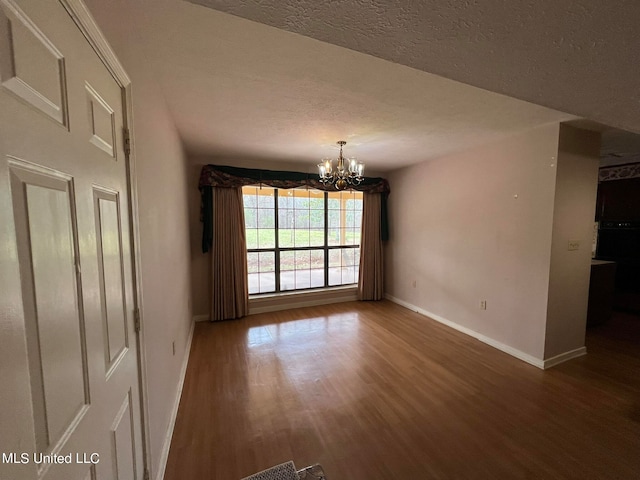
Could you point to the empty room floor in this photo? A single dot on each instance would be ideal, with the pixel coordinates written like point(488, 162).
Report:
point(371, 390)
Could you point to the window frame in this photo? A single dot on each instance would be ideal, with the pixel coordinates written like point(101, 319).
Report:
point(326, 248)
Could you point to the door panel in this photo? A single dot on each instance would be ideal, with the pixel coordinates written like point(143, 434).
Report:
point(102, 122)
point(91, 473)
point(123, 444)
point(54, 327)
point(31, 67)
point(111, 267)
point(68, 349)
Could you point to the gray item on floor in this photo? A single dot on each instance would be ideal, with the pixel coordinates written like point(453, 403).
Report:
point(287, 471)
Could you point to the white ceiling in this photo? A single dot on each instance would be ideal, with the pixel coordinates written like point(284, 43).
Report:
point(241, 89)
point(578, 56)
point(619, 147)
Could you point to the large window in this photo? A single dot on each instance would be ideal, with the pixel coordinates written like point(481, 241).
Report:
point(300, 238)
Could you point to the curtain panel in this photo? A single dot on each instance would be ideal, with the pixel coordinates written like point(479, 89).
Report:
point(371, 276)
point(229, 282)
point(222, 176)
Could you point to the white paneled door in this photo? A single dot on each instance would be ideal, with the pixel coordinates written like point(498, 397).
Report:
point(69, 386)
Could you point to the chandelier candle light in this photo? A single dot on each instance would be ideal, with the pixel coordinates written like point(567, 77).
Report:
point(341, 177)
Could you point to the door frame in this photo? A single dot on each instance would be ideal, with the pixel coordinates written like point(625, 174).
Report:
point(83, 19)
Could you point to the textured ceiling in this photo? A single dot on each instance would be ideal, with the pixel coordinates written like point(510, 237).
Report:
point(619, 147)
point(239, 89)
point(578, 56)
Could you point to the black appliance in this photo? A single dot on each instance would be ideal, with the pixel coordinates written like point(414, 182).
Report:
point(620, 241)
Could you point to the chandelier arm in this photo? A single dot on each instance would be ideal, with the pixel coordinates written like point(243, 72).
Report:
point(341, 177)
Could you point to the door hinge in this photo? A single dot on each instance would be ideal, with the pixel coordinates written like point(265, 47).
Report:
point(127, 141)
point(136, 319)
point(146, 474)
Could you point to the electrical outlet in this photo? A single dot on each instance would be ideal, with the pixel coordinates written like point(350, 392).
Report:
point(483, 304)
point(573, 245)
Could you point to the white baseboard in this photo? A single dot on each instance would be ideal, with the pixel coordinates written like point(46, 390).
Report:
point(525, 357)
point(162, 465)
point(300, 300)
point(563, 357)
point(286, 301)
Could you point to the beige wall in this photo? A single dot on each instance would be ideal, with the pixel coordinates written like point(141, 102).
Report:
point(573, 217)
point(162, 189)
point(164, 232)
point(200, 262)
point(478, 226)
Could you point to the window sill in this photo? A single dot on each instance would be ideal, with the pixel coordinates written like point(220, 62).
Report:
point(298, 299)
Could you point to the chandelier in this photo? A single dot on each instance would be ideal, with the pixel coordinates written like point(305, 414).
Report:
point(343, 176)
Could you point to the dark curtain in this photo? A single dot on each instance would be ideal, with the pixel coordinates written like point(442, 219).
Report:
point(229, 283)
point(371, 276)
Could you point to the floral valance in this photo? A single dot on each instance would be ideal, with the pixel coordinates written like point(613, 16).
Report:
point(224, 176)
point(620, 172)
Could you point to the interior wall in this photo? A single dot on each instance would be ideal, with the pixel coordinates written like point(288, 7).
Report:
point(200, 262)
point(164, 238)
point(573, 217)
point(477, 226)
point(163, 213)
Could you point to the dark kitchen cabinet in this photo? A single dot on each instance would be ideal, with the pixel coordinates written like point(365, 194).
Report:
point(618, 213)
point(619, 200)
point(601, 291)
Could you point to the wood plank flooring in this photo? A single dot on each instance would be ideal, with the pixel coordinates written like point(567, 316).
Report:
point(374, 391)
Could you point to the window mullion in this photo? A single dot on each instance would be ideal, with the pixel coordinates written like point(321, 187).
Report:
point(277, 240)
point(326, 239)
point(278, 251)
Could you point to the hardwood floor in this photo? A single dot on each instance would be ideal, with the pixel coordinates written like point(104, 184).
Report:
point(374, 391)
